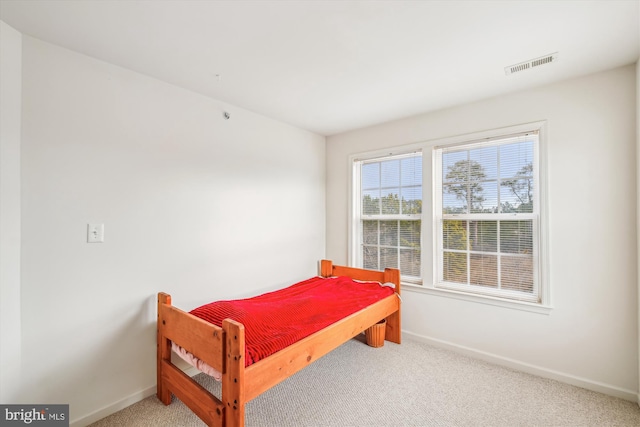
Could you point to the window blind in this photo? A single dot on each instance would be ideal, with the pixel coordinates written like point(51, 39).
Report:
point(487, 213)
point(390, 213)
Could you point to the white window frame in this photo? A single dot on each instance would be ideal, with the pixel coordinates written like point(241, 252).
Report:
point(355, 212)
point(429, 234)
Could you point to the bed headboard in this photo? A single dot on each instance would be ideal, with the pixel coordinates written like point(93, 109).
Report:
point(327, 269)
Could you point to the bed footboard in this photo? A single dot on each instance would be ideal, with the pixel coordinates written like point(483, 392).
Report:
point(222, 348)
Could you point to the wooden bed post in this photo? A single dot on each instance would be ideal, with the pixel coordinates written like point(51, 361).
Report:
point(233, 396)
point(393, 331)
point(163, 352)
point(326, 268)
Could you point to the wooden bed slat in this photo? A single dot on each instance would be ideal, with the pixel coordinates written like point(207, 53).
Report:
point(197, 398)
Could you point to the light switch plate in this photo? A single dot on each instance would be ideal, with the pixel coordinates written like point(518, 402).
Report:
point(95, 233)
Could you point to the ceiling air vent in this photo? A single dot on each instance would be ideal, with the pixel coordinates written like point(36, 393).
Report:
point(547, 59)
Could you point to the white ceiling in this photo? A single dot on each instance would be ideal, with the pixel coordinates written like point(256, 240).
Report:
point(333, 66)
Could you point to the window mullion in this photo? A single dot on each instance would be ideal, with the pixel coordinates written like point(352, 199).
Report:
point(379, 247)
point(468, 254)
point(499, 182)
point(499, 254)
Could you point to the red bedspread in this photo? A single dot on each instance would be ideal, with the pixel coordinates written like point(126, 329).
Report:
point(278, 319)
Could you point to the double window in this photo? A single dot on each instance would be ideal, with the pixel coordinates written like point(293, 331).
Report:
point(470, 222)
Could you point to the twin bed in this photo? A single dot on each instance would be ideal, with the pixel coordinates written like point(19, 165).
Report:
point(249, 355)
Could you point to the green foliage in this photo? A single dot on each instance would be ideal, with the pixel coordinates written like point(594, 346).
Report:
point(383, 241)
point(454, 233)
point(391, 204)
point(411, 206)
point(370, 205)
point(522, 187)
point(454, 267)
point(464, 180)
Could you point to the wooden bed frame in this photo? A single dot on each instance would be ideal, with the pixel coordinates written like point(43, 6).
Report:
point(224, 349)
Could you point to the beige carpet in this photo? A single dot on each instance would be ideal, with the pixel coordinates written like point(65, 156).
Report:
point(413, 384)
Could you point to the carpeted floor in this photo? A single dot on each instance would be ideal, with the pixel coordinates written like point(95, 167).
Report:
point(413, 384)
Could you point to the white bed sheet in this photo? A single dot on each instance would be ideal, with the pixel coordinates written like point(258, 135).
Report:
point(195, 362)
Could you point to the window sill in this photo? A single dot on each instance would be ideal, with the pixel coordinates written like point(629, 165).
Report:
point(481, 299)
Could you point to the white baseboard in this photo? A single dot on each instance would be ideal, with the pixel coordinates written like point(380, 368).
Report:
point(608, 389)
point(122, 403)
point(113, 408)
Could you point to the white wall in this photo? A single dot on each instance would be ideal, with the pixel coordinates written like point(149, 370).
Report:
point(591, 336)
point(10, 109)
point(194, 205)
